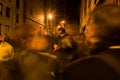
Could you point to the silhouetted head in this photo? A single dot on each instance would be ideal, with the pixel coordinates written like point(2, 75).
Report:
point(61, 31)
point(103, 27)
point(6, 38)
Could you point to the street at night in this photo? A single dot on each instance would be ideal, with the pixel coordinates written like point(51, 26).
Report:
point(59, 39)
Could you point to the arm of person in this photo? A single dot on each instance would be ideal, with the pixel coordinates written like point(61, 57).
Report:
point(55, 47)
point(49, 55)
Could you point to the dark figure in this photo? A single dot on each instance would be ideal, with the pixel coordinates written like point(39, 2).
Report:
point(65, 44)
point(103, 60)
point(81, 46)
point(30, 52)
point(7, 38)
point(8, 65)
point(64, 49)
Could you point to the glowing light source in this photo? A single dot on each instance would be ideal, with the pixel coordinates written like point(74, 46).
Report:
point(50, 16)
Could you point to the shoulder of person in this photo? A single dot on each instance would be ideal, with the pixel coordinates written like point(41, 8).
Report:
point(68, 36)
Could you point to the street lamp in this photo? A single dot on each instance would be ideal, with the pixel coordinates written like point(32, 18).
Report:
point(49, 22)
point(63, 23)
point(50, 16)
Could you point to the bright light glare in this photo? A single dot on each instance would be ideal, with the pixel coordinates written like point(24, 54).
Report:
point(63, 22)
point(50, 16)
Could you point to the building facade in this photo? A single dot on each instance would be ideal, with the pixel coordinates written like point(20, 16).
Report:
point(11, 14)
point(36, 14)
point(87, 6)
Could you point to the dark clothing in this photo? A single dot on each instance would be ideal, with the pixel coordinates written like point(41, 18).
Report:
point(64, 54)
point(67, 45)
point(34, 66)
point(9, 70)
point(102, 66)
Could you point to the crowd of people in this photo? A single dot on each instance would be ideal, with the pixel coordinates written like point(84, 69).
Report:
point(30, 56)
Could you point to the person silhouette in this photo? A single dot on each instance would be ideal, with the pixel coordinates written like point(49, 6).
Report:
point(102, 36)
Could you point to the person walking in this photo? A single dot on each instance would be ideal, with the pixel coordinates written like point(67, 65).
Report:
point(31, 50)
point(6, 60)
point(102, 61)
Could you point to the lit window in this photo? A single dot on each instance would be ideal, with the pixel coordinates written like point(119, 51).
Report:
point(118, 2)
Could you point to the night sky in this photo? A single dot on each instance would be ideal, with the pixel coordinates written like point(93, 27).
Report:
point(69, 9)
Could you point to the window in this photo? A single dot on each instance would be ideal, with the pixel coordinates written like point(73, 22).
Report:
point(7, 27)
point(1, 6)
point(9, 0)
point(7, 12)
point(17, 18)
point(0, 29)
point(95, 2)
point(100, 2)
point(31, 11)
point(89, 3)
point(118, 2)
point(85, 6)
point(17, 4)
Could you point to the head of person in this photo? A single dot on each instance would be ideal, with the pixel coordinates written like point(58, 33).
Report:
point(7, 38)
point(3, 38)
point(103, 27)
point(61, 32)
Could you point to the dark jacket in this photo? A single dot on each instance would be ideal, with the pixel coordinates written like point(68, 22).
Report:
point(34, 66)
point(102, 66)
